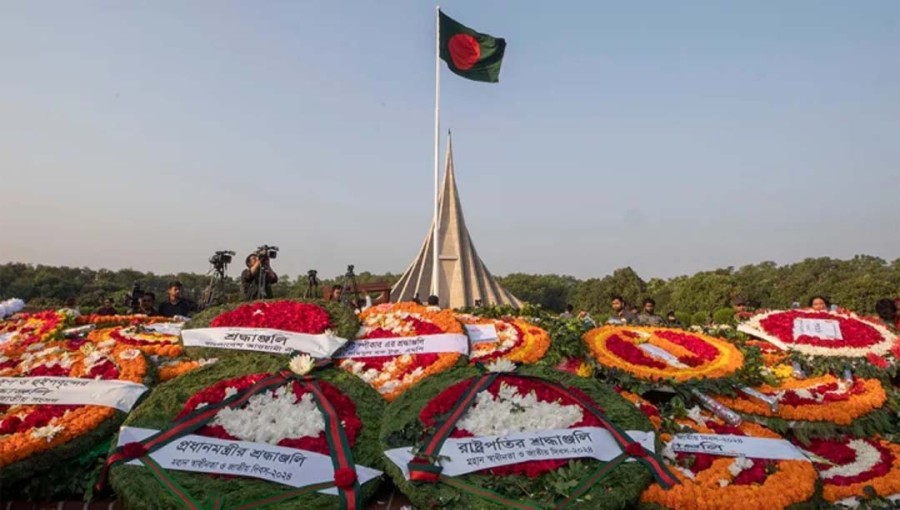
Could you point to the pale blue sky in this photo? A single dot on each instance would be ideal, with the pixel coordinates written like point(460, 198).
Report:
point(669, 136)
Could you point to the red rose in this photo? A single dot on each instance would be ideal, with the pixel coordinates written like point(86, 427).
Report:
point(636, 450)
point(9, 425)
point(133, 450)
point(345, 477)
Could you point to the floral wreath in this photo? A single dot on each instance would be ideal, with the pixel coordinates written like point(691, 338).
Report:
point(692, 356)
point(825, 400)
point(30, 328)
point(36, 438)
point(714, 482)
point(860, 337)
point(392, 375)
point(466, 402)
point(855, 464)
point(313, 317)
point(151, 343)
point(518, 340)
point(253, 399)
point(108, 321)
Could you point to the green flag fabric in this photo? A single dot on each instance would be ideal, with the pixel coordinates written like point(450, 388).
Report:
point(468, 53)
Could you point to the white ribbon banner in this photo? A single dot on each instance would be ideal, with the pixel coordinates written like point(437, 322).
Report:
point(823, 329)
point(424, 344)
point(166, 328)
point(466, 455)
point(279, 464)
point(482, 333)
point(737, 446)
point(660, 353)
point(272, 341)
point(120, 395)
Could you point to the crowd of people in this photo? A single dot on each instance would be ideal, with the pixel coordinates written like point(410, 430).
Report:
point(144, 303)
point(622, 313)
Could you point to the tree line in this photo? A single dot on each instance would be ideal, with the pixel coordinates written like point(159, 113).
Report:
point(855, 283)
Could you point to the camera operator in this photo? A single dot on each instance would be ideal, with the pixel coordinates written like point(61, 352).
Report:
point(250, 278)
point(176, 305)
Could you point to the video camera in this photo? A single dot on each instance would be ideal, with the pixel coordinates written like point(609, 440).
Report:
point(221, 258)
point(350, 273)
point(312, 278)
point(266, 252)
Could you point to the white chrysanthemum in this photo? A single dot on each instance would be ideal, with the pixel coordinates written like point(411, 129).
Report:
point(511, 412)
point(696, 415)
point(501, 365)
point(269, 418)
point(47, 432)
point(739, 465)
point(302, 364)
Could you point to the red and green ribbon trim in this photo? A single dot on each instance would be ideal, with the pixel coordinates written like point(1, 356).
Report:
point(341, 454)
point(424, 468)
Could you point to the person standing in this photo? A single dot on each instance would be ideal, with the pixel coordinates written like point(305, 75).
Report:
point(648, 316)
point(620, 315)
point(147, 304)
point(250, 278)
point(107, 308)
point(175, 304)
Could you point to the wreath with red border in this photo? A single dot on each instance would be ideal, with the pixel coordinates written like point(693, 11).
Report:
point(415, 416)
point(358, 407)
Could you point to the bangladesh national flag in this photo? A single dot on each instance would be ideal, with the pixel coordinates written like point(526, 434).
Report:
point(470, 54)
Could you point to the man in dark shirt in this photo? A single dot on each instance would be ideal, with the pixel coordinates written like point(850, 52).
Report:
point(250, 278)
point(147, 304)
point(176, 305)
point(107, 308)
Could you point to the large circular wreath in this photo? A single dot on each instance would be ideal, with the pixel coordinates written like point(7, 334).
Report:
point(859, 337)
point(518, 340)
point(392, 375)
point(710, 482)
point(358, 406)
point(313, 317)
point(411, 415)
point(692, 356)
point(42, 438)
point(855, 464)
point(818, 406)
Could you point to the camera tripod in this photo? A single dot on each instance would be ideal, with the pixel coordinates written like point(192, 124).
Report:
point(214, 293)
point(349, 288)
point(312, 285)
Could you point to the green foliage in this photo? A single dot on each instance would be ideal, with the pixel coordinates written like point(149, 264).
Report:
point(683, 317)
point(724, 316)
point(699, 319)
point(856, 283)
point(550, 291)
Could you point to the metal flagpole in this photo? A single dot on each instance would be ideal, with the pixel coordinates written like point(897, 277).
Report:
point(435, 288)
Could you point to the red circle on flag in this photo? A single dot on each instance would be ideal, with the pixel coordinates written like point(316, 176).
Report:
point(464, 51)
